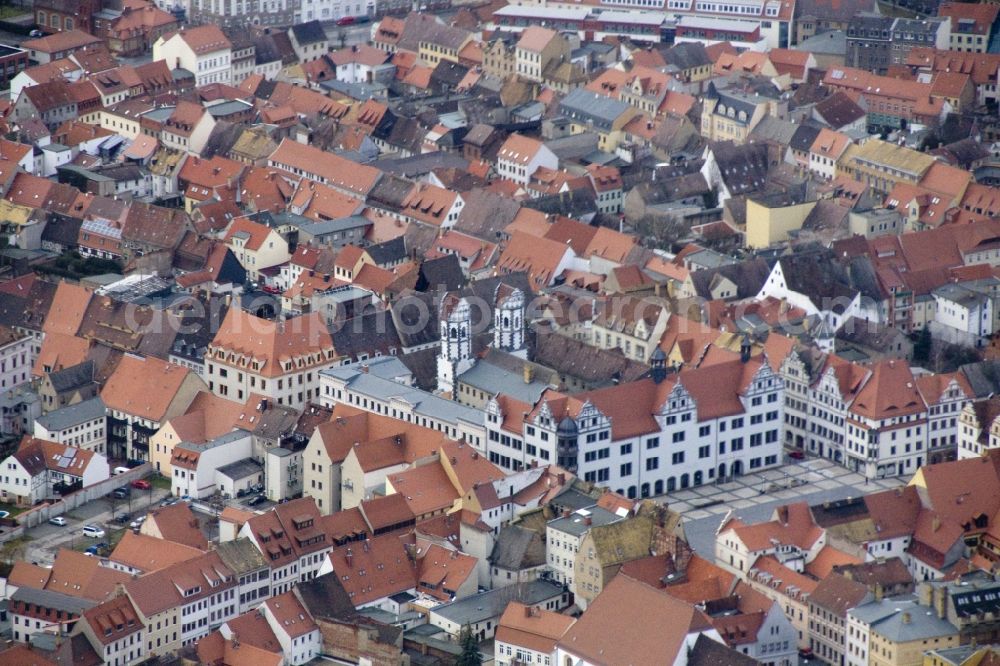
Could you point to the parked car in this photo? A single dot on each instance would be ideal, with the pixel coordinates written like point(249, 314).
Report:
point(797, 454)
point(121, 493)
point(57, 520)
point(137, 523)
point(93, 531)
point(119, 470)
point(346, 20)
point(121, 518)
point(255, 500)
point(34, 34)
point(186, 498)
point(142, 484)
point(169, 501)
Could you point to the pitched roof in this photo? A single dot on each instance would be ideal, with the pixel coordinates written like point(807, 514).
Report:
point(160, 381)
point(649, 626)
point(147, 553)
point(532, 628)
point(203, 39)
point(176, 523)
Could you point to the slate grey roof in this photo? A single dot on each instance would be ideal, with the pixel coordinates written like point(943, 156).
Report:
point(73, 377)
point(486, 214)
point(367, 335)
point(485, 605)
point(494, 379)
point(749, 277)
point(325, 227)
point(584, 106)
point(422, 164)
point(53, 599)
point(73, 415)
point(241, 469)
point(442, 273)
point(686, 55)
point(775, 130)
point(804, 137)
point(370, 384)
point(815, 274)
point(517, 548)
point(902, 619)
point(983, 377)
point(388, 252)
point(707, 652)
point(310, 32)
point(743, 168)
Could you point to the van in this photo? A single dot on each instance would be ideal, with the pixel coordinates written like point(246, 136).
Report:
point(120, 470)
point(92, 531)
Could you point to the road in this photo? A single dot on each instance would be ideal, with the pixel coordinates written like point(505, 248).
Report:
point(821, 481)
point(47, 539)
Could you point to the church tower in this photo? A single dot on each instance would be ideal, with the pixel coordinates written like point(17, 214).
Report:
point(455, 356)
point(508, 320)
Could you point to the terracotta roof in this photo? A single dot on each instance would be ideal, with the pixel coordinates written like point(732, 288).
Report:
point(649, 626)
point(254, 232)
point(970, 18)
point(290, 615)
point(113, 620)
point(442, 571)
point(337, 171)
point(520, 149)
point(203, 39)
point(539, 257)
point(535, 38)
point(838, 594)
point(68, 309)
point(374, 568)
point(160, 381)
point(890, 392)
point(60, 41)
point(81, 576)
point(826, 559)
point(534, 629)
point(176, 523)
point(304, 340)
point(147, 553)
point(164, 589)
point(792, 525)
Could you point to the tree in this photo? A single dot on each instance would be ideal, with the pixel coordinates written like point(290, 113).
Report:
point(922, 345)
point(470, 649)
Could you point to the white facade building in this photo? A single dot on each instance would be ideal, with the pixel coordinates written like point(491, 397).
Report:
point(83, 425)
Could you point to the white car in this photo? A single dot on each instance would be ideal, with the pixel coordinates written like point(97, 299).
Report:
point(57, 520)
point(93, 531)
point(137, 523)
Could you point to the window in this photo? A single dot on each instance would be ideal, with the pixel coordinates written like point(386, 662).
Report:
point(652, 463)
point(677, 458)
point(652, 442)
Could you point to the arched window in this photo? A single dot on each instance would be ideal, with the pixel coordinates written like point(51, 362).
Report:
point(506, 321)
point(659, 486)
point(454, 333)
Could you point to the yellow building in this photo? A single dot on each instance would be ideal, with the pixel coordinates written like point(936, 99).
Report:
point(892, 642)
point(770, 218)
point(731, 115)
point(881, 165)
point(967, 656)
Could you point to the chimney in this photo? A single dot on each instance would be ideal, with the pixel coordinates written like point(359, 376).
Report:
point(588, 521)
point(935, 524)
point(879, 592)
point(529, 611)
point(349, 557)
point(906, 618)
point(529, 373)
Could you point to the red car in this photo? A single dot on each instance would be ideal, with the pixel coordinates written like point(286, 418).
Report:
point(141, 484)
point(347, 20)
point(797, 454)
